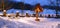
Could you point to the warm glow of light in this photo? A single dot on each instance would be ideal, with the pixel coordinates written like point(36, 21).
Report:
point(4, 10)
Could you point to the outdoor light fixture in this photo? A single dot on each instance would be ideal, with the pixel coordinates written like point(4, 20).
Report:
point(38, 9)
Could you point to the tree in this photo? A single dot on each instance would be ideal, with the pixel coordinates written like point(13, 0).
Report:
point(55, 3)
point(5, 5)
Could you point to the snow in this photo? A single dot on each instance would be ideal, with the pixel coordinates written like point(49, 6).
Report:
point(48, 11)
point(28, 22)
point(45, 11)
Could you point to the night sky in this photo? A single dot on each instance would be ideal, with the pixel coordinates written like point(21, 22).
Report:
point(33, 2)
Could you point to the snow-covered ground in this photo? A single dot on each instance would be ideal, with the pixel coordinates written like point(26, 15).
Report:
point(28, 22)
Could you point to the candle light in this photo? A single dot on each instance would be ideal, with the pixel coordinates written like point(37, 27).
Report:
point(4, 13)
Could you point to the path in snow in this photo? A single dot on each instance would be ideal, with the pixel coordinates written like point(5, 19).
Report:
point(28, 22)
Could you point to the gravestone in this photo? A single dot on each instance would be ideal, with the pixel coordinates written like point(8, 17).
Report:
point(17, 13)
point(27, 15)
point(48, 15)
point(34, 15)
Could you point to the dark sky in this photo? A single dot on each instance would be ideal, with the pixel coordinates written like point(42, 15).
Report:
point(32, 2)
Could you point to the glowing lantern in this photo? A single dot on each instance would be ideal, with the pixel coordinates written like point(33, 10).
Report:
point(4, 13)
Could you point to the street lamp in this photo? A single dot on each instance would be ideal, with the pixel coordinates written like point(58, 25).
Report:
point(38, 9)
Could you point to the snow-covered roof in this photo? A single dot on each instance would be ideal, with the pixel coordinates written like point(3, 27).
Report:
point(45, 11)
